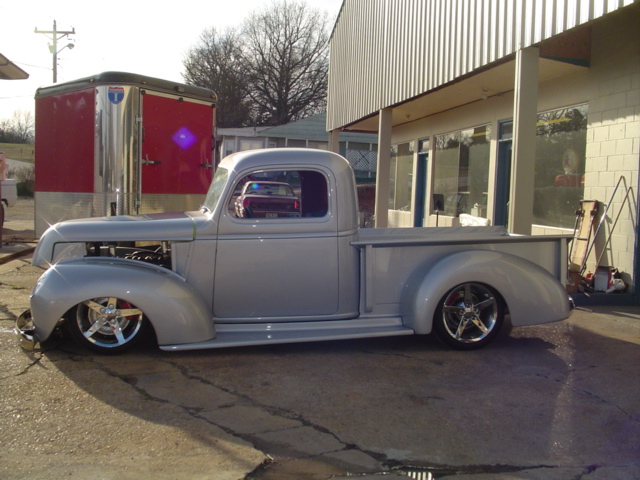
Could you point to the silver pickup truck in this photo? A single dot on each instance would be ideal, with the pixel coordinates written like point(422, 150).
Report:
point(213, 278)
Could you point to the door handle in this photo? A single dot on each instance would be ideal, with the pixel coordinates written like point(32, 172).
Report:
point(146, 161)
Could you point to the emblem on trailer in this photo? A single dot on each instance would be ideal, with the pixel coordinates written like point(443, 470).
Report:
point(115, 94)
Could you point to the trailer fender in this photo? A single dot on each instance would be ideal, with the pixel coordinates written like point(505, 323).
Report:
point(175, 310)
point(531, 294)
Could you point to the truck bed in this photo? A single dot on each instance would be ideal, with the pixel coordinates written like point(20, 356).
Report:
point(387, 256)
point(547, 251)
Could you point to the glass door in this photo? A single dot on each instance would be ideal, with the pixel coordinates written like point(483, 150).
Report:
point(422, 173)
point(503, 173)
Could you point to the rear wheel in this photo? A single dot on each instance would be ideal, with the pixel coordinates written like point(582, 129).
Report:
point(469, 316)
point(106, 324)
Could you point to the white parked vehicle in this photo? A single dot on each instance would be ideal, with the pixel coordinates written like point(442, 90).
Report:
point(213, 278)
point(9, 196)
point(9, 192)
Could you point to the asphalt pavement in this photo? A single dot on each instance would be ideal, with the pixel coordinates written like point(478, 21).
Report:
point(556, 401)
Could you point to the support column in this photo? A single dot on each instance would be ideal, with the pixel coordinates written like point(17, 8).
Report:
point(525, 115)
point(334, 141)
point(384, 168)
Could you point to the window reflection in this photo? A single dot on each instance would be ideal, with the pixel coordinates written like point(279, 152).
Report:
point(461, 171)
point(280, 194)
point(560, 152)
point(401, 177)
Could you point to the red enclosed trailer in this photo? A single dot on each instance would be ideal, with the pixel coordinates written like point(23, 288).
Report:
point(121, 143)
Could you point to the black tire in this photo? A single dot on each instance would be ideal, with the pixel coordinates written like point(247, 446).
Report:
point(469, 316)
point(106, 325)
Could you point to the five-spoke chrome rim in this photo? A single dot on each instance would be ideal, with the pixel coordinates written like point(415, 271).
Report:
point(470, 312)
point(108, 321)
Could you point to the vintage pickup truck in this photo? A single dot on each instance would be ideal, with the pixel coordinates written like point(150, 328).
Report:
point(212, 278)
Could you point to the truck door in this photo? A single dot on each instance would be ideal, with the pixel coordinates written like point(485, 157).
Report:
point(277, 256)
point(176, 151)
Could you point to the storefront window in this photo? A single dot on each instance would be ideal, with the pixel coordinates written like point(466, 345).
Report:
point(559, 179)
point(401, 177)
point(461, 172)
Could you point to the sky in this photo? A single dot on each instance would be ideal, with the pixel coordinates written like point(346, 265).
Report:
point(143, 37)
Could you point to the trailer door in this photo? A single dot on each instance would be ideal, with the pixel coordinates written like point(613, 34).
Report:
point(176, 152)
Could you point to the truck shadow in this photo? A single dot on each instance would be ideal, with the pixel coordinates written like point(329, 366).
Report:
point(520, 401)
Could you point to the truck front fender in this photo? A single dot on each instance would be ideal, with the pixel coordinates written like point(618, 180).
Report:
point(173, 307)
point(531, 294)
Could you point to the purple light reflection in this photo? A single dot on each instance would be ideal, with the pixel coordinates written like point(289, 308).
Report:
point(184, 138)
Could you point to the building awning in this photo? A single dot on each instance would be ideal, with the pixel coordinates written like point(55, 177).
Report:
point(10, 71)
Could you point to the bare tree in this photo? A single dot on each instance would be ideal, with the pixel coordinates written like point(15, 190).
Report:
point(20, 129)
point(271, 73)
point(217, 63)
point(286, 56)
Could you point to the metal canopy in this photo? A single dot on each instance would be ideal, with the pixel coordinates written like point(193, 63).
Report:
point(10, 71)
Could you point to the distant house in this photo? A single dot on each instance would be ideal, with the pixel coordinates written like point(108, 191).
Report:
point(231, 140)
point(359, 148)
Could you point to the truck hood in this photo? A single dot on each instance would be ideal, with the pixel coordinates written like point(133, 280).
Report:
point(128, 228)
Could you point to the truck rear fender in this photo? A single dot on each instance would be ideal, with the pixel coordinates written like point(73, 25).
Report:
point(531, 294)
point(173, 307)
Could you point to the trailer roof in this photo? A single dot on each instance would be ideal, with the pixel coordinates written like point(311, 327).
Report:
point(125, 78)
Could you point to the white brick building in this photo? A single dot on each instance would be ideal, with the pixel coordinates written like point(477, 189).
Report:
point(511, 110)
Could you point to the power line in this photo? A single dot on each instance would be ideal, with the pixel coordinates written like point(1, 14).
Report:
point(16, 96)
point(32, 66)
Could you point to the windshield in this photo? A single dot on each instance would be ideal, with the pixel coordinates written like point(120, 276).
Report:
point(216, 189)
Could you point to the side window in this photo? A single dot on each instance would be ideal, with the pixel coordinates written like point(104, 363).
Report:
point(280, 194)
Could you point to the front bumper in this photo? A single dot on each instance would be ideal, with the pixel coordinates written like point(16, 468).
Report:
point(26, 331)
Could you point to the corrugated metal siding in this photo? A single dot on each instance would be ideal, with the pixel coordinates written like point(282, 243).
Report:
point(386, 51)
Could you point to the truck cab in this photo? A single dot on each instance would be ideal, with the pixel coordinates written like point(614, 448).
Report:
point(313, 269)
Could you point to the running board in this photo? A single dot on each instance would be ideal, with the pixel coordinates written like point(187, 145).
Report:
point(245, 335)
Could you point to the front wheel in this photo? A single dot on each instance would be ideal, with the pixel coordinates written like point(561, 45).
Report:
point(469, 316)
point(106, 324)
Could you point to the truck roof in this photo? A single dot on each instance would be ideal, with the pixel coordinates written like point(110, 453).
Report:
point(286, 157)
point(125, 78)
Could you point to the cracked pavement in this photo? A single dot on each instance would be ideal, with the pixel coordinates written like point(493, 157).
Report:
point(558, 401)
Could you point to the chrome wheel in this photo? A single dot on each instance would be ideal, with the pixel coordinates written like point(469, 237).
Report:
point(106, 324)
point(469, 316)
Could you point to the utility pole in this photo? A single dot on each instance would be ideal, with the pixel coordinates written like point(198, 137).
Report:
point(57, 35)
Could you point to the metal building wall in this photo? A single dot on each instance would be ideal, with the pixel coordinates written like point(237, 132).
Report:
point(384, 52)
